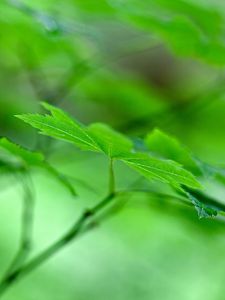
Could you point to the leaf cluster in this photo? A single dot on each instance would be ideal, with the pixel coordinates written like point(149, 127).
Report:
point(164, 159)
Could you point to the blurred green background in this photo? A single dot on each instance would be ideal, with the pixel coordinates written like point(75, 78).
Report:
point(135, 65)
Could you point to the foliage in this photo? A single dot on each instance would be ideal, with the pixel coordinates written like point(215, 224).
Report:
point(146, 78)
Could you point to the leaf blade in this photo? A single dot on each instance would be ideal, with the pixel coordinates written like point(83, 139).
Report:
point(60, 126)
point(162, 170)
point(12, 153)
point(111, 142)
point(168, 147)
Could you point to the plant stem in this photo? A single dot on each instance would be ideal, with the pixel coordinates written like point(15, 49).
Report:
point(112, 184)
point(72, 233)
point(27, 226)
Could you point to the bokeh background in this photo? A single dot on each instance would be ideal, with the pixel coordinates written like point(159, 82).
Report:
point(135, 65)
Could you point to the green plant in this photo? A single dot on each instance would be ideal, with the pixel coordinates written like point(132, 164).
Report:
point(144, 69)
point(163, 159)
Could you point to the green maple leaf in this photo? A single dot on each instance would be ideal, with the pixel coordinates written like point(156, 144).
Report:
point(111, 142)
point(169, 147)
point(103, 139)
point(161, 170)
point(59, 125)
point(97, 137)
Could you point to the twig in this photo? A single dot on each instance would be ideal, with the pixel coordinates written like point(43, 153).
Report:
point(83, 225)
point(72, 233)
point(27, 226)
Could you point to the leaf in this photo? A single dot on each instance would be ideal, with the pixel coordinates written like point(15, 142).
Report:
point(204, 210)
point(101, 138)
point(61, 126)
point(161, 170)
point(14, 155)
point(97, 137)
point(110, 142)
point(170, 148)
point(15, 158)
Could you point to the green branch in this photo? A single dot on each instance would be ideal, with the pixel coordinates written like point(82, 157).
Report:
point(82, 225)
point(72, 233)
point(27, 226)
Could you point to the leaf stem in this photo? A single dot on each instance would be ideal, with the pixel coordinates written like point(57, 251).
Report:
point(112, 183)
